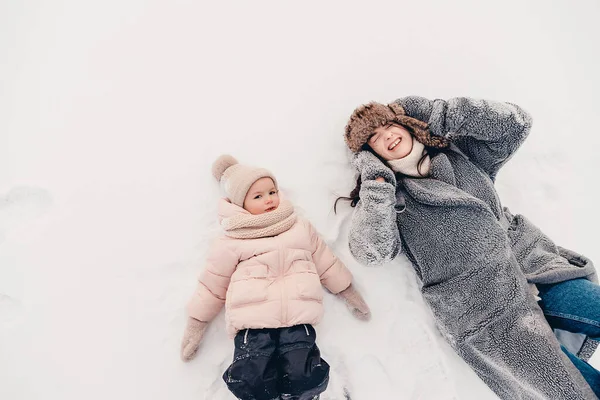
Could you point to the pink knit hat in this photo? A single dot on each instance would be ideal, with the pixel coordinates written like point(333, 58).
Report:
point(236, 178)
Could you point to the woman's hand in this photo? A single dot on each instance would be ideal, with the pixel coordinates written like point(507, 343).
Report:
point(370, 168)
point(380, 179)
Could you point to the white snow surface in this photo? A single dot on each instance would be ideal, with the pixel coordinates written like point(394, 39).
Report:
point(112, 112)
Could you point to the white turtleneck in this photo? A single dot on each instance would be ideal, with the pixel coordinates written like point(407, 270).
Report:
point(408, 165)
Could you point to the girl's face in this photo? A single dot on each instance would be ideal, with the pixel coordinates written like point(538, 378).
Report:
point(391, 142)
point(262, 197)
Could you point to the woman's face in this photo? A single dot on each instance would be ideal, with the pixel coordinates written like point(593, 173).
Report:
point(391, 142)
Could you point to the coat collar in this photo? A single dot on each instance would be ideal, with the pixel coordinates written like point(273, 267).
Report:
point(440, 188)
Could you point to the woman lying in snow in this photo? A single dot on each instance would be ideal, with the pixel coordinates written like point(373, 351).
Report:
point(426, 187)
point(268, 270)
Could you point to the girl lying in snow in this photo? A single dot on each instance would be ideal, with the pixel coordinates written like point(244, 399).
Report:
point(267, 270)
point(426, 187)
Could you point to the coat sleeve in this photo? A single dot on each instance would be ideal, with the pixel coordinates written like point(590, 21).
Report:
point(333, 273)
point(374, 238)
point(488, 132)
point(213, 282)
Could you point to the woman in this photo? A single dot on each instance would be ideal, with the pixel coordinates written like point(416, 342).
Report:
point(426, 187)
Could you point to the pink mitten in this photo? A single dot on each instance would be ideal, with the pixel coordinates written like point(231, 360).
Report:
point(191, 338)
point(355, 303)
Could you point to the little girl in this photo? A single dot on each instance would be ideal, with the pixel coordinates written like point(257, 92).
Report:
point(267, 270)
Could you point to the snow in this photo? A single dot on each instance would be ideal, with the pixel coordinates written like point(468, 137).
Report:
point(113, 111)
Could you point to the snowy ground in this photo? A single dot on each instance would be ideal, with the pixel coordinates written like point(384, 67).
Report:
point(112, 112)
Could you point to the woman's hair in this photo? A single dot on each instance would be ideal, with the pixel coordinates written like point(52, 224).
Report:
point(354, 195)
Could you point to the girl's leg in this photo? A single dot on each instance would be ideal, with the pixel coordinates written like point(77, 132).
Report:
point(304, 374)
point(253, 373)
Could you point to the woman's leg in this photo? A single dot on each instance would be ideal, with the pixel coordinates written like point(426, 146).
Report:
point(494, 323)
point(572, 306)
point(590, 374)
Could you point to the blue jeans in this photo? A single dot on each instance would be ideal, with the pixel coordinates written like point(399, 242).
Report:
point(574, 306)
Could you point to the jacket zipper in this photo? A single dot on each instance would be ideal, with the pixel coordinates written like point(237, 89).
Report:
point(284, 304)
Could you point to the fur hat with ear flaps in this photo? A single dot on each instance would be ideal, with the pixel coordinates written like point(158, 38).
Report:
point(236, 178)
point(367, 117)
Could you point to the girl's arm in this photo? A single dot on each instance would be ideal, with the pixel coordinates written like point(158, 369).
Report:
point(332, 272)
point(209, 297)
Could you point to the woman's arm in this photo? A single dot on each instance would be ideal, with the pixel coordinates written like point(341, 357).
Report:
point(374, 238)
point(488, 132)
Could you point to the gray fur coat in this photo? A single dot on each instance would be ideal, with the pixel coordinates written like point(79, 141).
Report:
point(476, 260)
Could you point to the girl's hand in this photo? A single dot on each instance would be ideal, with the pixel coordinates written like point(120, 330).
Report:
point(191, 338)
point(355, 303)
point(380, 179)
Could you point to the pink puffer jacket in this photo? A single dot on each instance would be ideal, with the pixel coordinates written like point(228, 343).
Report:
point(269, 282)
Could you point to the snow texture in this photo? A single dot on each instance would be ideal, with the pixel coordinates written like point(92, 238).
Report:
point(112, 113)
